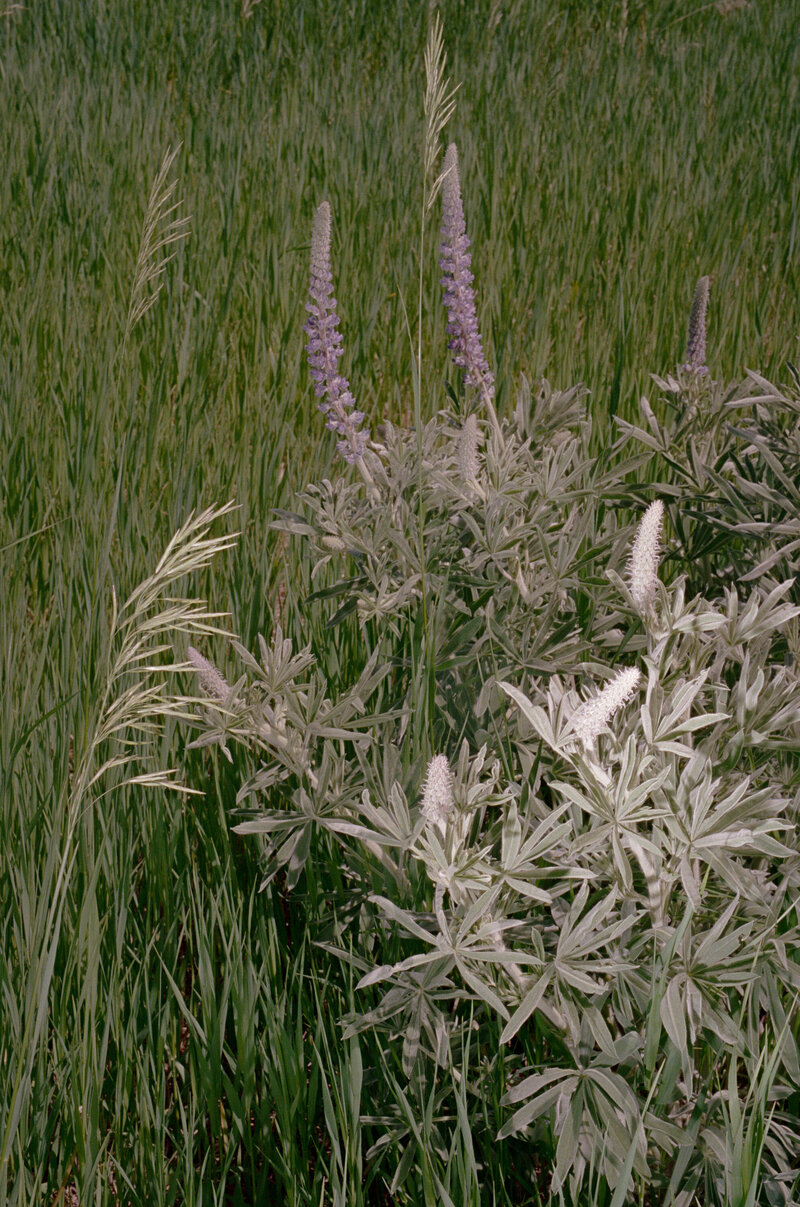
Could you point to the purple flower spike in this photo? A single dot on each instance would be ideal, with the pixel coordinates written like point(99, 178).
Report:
point(459, 296)
point(324, 346)
point(696, 340)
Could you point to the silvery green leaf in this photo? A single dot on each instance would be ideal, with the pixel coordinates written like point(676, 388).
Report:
point(289, 521)
point(403, 917)
point(699, 622)
point(536, 716)
point(526, 889)
point(511, 836)
point(375, 975)
point(526, 1007)
point(484, 991)
point(673, 1016)
point(541, 1103)
point(481, 906)
point(532, 1085)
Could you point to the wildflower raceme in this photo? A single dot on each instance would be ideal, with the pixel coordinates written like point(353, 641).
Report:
point(591, 718)
point(211, 681)
point(468, 463)
point(643, 565)
point(437, 792)
point(459, 296)
point(324, 346)
point(696, 338)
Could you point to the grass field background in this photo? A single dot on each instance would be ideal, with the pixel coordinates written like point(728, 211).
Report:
point(611, 154)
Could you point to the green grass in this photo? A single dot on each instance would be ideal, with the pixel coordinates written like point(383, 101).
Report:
point(610, 155)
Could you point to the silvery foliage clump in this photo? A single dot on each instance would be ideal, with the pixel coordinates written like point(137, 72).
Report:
point(563, 786)
point(731, 454)
point(624, 884)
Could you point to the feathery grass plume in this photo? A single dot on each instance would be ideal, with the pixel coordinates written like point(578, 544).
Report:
point(437, 792)
point(209, 678)
point(591, 718)
point(324, 346)
point(643, 564)
point(468, 463)
point(459, 296)
point(133, 696)
point(439, 105)
point(135, 691)
point(696, 339)
point(162, 228)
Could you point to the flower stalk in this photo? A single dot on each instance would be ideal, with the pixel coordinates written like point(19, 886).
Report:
point(459, 296)
point(696, 338)
point(324, 347)
point(437, 792)
point(211, 682)
point(592, 717)
point(643, 565)
point(468, 461)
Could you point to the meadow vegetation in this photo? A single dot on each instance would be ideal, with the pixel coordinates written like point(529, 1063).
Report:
point(449, 854)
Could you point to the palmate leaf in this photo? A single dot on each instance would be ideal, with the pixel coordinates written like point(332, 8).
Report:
point(465, 951)
point(712, 965)
point(539, 1091)
point(589, 1099)
point(582, 936)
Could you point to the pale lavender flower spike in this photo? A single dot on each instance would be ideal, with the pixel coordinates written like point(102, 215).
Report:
point(324, 346)
point(468, 462)
point(459, 296)
point(696, 339)
point(209, 678)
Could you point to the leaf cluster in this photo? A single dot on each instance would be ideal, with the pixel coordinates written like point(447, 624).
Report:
point(626, 908)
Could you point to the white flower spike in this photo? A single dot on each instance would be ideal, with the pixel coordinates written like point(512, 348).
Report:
point(592, 717)
point(643, 566)
point(468, 463)
point(437, 792)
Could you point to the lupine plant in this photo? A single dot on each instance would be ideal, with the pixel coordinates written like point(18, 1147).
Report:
point(566, 835)
point(608, 857)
